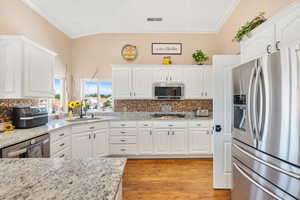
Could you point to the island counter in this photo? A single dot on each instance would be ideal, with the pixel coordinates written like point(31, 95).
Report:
point(55, 178)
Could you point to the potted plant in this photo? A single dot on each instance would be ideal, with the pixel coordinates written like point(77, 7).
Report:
point(199, 56)
point(249, 26)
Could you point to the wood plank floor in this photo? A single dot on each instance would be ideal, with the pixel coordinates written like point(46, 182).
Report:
point(172, 179)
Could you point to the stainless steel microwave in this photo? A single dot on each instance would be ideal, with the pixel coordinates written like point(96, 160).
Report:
point(168, 91)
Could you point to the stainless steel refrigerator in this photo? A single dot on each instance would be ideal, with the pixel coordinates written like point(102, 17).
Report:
point(266, 129)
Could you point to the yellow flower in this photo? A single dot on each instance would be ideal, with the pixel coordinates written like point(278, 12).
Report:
point(77, 103)
point(71, 105)
point(8, 127)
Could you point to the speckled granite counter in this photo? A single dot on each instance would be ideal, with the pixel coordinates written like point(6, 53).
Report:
point(19, 135)
point(35, 179)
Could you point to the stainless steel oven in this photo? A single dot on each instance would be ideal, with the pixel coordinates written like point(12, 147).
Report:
point(38, 147)
point(168, 91)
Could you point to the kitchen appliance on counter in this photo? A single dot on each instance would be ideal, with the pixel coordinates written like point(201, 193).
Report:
point(38, 147)
point(201, 113)
point(29, 117)
point(266, 125)
point(168, 91)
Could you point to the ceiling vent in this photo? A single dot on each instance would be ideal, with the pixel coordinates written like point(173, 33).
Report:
point(154, 19)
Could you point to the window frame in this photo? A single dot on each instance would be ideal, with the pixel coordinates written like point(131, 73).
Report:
point(82, 88)
point(62, 95)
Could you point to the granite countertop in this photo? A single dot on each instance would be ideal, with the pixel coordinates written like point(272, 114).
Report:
point(31, 179)
point(20, 135)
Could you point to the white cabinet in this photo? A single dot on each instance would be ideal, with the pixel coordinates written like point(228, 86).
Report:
point(198, 82)
point(26, 68)
point(199, 141)
point(81, 145)
point(261, 42)
point(167, 75)
point(142, 79)
point(161, 141)
point(145, 141)
point(122, 85)
point(100, 143)
point(60, 143)
point(179, 141)
point(90, 140)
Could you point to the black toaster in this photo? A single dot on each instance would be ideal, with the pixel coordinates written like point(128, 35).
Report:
point(29, 117)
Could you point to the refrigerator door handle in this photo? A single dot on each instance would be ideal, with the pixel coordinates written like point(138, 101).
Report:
point(297, 176)
point(262, 109)
point(257, 184)
point(254, 109)
point(249, 103)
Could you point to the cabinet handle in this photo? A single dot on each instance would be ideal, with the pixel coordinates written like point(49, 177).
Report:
point(89, 136)
point(205, 93)
point(201, 93)
point(268, 49)
point(123, 132)
point(94, 135)
point(145, 124)
point(277, 45)
point(123, 125)
point(61, 135)
point(207, 132)
point(170, 125)
point(61, 145)
point(168, 132)
point(150, 132)
point(123, 140)
point(130, 94)
point(61, 156)
point(173, 132)
point(92, 127)
point(123, 149)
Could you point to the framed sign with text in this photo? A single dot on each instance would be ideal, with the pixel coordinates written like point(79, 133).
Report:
point(166, 48)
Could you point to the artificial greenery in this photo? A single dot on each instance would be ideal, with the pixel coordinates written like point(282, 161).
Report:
point(199, 56)
point(249, 26)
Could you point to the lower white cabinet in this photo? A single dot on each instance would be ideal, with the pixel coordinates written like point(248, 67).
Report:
point(60, 143)
point(199, 141)
point(145, 141)
point(170, 141)
point(91, 141)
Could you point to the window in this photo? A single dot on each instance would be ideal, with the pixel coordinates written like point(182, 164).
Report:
point(98, 95)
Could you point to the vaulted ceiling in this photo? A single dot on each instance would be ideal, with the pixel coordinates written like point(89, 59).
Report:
point(79, 18)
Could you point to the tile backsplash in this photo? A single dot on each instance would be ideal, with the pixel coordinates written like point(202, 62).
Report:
point(6, 106)
point(157, 106)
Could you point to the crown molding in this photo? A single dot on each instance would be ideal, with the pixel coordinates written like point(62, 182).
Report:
point(227, 15)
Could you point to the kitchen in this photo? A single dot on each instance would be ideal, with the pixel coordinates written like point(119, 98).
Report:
point(148, 130)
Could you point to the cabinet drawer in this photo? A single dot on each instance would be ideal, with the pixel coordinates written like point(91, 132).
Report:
point(99, 125)
point(144, 124)
point(81, 128)
point(122, 140)
point(170, 124)
point(200, 124)
point(65, 153)
point(123, 131)
point(59, 134)
point(123, 149)
point(60, 145)
point(123, 124)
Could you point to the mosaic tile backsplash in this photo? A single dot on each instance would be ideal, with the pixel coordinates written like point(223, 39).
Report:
point(156, 106)
point(6, 106)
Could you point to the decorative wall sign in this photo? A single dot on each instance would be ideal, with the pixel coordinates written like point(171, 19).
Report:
point(129, 52)
point(166, 48)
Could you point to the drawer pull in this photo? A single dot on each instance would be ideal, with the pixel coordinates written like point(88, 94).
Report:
point(123, 124)
point(92, 127)
point(61, 134)
point(123, 140)
point(63, 144)
point(123, 132)
point(123, 149)
point(145, 124)
point(198, 124)
point(170, 125)
point(61, 156)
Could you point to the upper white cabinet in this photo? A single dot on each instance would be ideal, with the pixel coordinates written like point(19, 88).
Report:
point(26, 68)
point(136, 81)
point(198, 82)
point(278, 32)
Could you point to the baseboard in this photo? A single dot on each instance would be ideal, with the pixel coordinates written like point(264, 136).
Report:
point(209, 156)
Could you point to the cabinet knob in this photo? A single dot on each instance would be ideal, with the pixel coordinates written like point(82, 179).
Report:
point(123, 132)
point(277, 45)
point(268, 49)
point(150, 132)
point(63, 144)
point(123, 140)
point(123, 149)
point(61, 156)
point(61, 134)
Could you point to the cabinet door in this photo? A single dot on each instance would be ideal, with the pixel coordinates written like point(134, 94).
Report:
point(258, 44)
point(199, 141)
point(38, 71)
point(100, 143)
point(288, 28)
point(161, 74)
point(176, 75)
point(162, 141)
point(81, 145)
point(145, 141)
point(142, 79)
point(10, 68)
point(179, 141)
point(122, 84)
point(193, 79)
point(208, 81)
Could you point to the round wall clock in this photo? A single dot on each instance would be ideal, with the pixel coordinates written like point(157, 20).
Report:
point(129, 52)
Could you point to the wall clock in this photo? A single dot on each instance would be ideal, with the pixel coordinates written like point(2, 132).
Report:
point(129, 52)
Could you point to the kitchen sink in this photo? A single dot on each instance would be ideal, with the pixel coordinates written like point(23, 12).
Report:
point(167, 115)
point(84, 119)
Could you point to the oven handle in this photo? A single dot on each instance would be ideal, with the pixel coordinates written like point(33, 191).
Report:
point(267, 164)
point(257, 184)
point(35, 117)
point(16, 153)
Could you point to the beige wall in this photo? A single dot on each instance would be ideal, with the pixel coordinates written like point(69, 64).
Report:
point(246, 10)
point(17, 18)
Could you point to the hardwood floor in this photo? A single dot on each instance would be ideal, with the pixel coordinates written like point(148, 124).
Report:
point(172, 179)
